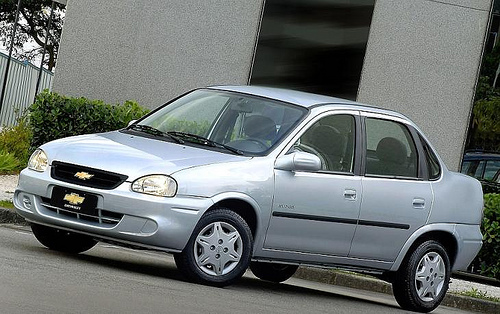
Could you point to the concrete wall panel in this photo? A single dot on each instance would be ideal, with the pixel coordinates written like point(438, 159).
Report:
point(422, 59)
point(151, 51)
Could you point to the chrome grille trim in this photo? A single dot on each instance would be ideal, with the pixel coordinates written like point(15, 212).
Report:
point(103, 217)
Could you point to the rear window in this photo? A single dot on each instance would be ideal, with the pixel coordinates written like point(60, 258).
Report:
point(433, 167)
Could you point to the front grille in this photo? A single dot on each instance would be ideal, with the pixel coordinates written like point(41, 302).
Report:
point(96, 178)
point(103, 217)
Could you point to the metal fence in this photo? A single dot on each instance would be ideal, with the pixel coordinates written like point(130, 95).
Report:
point(20, 88)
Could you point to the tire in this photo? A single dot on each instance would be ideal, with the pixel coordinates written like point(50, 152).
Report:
point(219, 250)
point(422, 280)
point(62, 241)
point(273, 272)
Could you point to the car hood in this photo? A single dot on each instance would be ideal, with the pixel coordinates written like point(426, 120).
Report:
point(132, 155)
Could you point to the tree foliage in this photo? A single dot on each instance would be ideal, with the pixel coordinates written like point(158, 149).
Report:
point(490, 64)
point(485, 132)
point(485, 127)
point(33, 18)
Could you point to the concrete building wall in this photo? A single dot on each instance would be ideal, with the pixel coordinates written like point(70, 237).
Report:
point(422, 60)
point(151, 51)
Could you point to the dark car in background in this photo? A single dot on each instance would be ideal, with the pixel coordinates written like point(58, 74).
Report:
point(484, 166)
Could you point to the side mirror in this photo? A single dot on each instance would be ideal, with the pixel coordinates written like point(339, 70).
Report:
point(298, 161)
point(131, 122)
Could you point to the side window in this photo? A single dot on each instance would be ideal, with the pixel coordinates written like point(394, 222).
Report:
point(465, 167)
point(476, 169)
point(331, 139)
point(390, 150)
point(492, 167)
point(432, 162)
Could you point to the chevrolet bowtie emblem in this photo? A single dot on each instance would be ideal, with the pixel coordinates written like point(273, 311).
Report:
point(83, 175)
point(74, 198)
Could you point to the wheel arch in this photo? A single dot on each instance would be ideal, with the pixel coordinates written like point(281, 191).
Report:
point(243, 205)
point(444, 234)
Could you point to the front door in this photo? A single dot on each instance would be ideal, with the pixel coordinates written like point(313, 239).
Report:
point(317, 212)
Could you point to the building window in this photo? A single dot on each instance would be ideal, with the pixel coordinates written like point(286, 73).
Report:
point(312, 45)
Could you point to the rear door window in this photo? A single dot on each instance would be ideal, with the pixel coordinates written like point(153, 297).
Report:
point(390, 150)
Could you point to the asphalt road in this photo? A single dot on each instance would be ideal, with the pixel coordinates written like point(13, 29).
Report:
point(109, 279)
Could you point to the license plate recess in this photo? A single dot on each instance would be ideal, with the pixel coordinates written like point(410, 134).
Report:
point(74, 201)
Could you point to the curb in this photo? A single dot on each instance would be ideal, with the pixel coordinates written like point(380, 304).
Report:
point(9, 216)
point(363, 282)
point(477, 278)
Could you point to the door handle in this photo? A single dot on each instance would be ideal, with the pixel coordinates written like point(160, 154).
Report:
point(418, 203)
point(350, 194)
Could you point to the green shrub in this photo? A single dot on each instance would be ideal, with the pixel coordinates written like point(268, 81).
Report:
point(54, 116)
point(8, 162)
point(16, 140)
point(489, 257)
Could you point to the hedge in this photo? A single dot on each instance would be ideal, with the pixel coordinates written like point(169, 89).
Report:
point(54, 116)
point(488, 258)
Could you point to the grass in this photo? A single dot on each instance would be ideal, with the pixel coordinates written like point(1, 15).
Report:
point(478, 294)
point(6, 204)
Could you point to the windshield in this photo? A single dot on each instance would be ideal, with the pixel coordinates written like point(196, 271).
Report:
point(240, 122)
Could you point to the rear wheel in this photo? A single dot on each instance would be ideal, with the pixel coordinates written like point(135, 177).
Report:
point(273, 272)
point(218, 252)
point(422, 280)
point(61, 240)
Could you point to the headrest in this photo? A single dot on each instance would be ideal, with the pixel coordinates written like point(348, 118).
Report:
point(260, 127)
point(392, 150)
point(328, 139)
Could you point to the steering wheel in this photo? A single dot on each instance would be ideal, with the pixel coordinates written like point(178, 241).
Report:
point(259, 142)
point(250, 145)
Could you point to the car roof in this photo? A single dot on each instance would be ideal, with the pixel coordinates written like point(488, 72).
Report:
point(304, 99)
point(291, 96)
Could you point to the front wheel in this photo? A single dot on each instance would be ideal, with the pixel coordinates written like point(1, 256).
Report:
point(273, 272)
point(422, 280)
point(219, 250)
point(62, 241)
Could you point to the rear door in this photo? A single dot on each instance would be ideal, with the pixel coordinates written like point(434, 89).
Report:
point(396, 199)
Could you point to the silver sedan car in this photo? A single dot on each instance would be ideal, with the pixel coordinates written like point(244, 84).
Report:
point(227, 178)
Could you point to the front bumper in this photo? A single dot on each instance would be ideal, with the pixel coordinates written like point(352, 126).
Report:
point(124, 216)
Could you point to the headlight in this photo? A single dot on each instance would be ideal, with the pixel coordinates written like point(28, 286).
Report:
point(158, 185)
point(38, 161)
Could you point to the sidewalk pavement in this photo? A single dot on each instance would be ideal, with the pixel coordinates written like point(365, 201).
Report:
point(453, 299)
point(362, 282)
point(8, 184)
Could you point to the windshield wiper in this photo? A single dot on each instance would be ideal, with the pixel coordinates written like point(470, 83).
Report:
point(204, 141)
point(154, 131)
